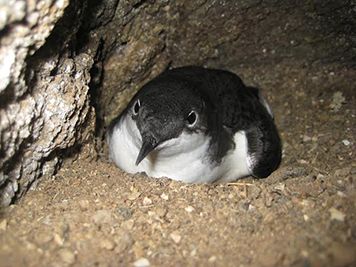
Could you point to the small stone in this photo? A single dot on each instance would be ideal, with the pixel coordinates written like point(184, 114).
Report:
point(142, 262)
point(102, 217)
point(3, 225)
point(126, 213)
point(212, 259)
point(133, 195)
point(302, 161)
point(58, 239)
point(280, 187)
point(164, 196)
point(346, 142)
point(189, 209)
point(107, 244)
point(147, 201)
point(175, 237)
point(67, 256)
point(336, 215)
point(306, 217)
point(320, 176)
point(306, 138)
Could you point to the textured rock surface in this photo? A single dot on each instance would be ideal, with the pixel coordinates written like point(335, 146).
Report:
point(224, 34)
point(43, 91)
point(61, 59)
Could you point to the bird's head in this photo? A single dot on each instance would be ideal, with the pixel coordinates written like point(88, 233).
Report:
point(165, 113)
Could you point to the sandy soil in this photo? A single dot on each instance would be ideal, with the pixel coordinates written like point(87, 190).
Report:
point(92, 214)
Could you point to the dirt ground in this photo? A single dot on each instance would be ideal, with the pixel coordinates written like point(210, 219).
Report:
point(304, 214)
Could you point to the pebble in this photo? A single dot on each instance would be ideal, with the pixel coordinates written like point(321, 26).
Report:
point(58, 239)
point(175, 237)
point(133, 195)
point(125, 212)
point(164, 196)
point(346, 142)
point(212, 259)
point(107, 244)
point(336, 215)
point(306, 138)
point(280, 187)
point(189, 209)
point(67, 256)
point(142, 262)
point(147, 201)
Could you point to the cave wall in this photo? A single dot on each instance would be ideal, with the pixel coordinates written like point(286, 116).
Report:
point(223, 34)
point(67, 67)
point(43, 91)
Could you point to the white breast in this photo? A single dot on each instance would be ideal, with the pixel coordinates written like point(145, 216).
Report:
point(183, 158)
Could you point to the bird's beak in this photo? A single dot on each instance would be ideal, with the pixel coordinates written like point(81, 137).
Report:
point(147, 146)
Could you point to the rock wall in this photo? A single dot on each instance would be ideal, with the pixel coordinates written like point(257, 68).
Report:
point(43, 90)
point(67, 67)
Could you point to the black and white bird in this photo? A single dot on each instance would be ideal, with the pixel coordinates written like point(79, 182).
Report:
point(196, 125)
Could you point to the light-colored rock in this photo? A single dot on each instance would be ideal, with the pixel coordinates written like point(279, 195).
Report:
point(336, 214)
point(189, 209)
point(142, 262)
point(42, 106)
point(147, 201)
point(107, 244)
point(176, 237)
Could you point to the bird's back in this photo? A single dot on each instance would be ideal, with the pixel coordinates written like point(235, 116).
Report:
point(236, 108)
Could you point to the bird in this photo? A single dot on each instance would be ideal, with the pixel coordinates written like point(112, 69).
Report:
point(196, 125)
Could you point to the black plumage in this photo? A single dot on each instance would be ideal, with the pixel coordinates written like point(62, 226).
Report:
point(224, 105)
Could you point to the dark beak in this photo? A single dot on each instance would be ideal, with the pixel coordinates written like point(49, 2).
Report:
point(147, 146)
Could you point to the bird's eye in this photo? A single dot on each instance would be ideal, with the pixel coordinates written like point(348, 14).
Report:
point(192, 118)
point(136, 107)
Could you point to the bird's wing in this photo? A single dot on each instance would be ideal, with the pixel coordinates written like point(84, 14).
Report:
point(243, 108)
